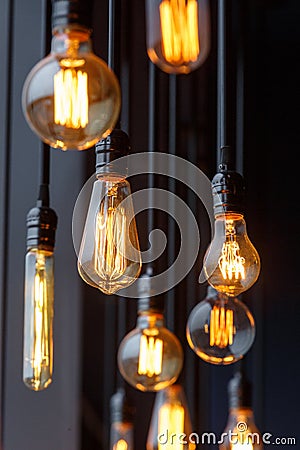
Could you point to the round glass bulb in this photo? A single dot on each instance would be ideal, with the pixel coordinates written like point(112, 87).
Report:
point(241, 432)
point(71, 99)
point(231, 263)
point(220, 329)
point(150, 357)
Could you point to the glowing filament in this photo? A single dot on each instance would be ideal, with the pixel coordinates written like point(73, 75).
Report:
point(110, 261)
point(150, 357)
point(221, 329)
point(243, 444)
point(179, 29)
point(171, 419)
point(40, 355)
point(120, 445)
point(231, 264)
point(71, 98)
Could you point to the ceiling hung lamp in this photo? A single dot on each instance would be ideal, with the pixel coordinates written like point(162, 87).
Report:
point(121, 429)
point(71, 99)
point(39, 287)
point(150, 357)
point(109, 257)
point(178, 34)
point(240, 433)
point(170, 426)
point(220, 329)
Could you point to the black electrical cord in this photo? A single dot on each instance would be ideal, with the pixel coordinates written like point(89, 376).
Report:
point(221, 80)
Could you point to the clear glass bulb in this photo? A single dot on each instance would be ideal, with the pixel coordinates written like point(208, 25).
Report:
point(178, 34)
point(241, 431)
point(231, 263)
point(220, 329)
point(71, 99)
point(121, 436)
point(150, 357)
point(38, 319)
point(109, 256)
point(170, 417)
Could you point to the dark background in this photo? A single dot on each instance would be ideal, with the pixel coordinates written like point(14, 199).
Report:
point(73, 413)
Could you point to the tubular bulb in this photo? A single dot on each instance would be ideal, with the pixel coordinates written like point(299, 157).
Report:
point(38, 319)
point(170, 421)
point(109, 257)
point(220, 329)
point(178, 34)
point(71, 99)
point(150, 357)
point(121, 430)
point(231, 263)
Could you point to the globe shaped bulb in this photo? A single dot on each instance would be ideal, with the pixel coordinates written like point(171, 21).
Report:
point(150, 357)
point(220, 329)
point(71, 99)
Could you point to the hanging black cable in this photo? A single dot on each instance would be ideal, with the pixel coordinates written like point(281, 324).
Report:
point(221, 79)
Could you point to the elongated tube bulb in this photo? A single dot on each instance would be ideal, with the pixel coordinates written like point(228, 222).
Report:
point(170, 421)
point(38, 319)
point(109, 257)
point(231, 263)
point(121, 430)
point(71, 99)
point(220, 329)
point(150, 357)
point(178, 34)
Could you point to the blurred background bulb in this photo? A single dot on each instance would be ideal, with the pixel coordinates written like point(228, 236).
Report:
point(178, 34)
point(150, 357)
point(109, 256)
point(220, 329)
point(231, 263)
point(71, 99)
point(121, 430)
point(240, 433)
point(170, 416)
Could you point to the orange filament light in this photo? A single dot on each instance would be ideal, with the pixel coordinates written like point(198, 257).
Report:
point(71, 102)
point(120, 445)
point(171, 419)
point(243, 444)
point(221, 328)
point(150, 356)
point(231, 264)
point(179, 28)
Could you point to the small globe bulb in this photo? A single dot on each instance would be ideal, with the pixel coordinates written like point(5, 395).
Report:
point(71, 99)
point(220, 329)
point(150, 357)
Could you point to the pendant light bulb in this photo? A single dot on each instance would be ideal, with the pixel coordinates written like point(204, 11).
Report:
point(220, 329)
point(241, 432)
point(71, 99)
point(178, 34)
point(170, 421)
point(231, 262)
point(39, 299)
point(121, 430)
point(109, 258)
point(150, 357)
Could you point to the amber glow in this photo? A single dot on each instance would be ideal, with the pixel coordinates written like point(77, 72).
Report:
point(150, 356)
point(179, 28)
point(110, 239)
point(120, 445)
point(71, 102)
point(242, 445)
point(40, 356)
point(221, 329)
point(171, 419)
point(231, 264)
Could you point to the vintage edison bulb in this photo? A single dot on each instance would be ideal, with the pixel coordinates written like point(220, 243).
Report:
point(38, 319)
point(241, 431)
point(109, 256)
point(121, 429)
point(220, 329)
point(231, 263)
point(71, 99)
point(150, 357)
point(178, 34)
point(170, 421)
